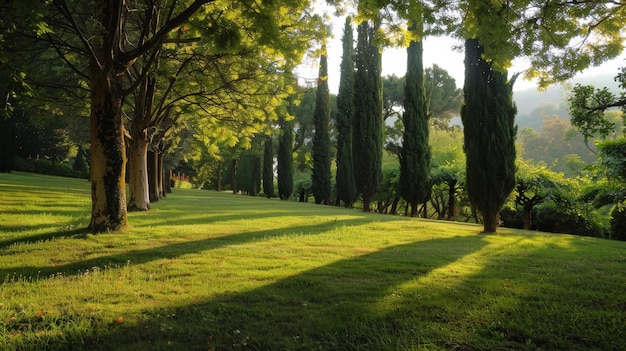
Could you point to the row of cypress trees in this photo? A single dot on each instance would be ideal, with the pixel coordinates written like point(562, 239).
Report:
point(487, 113)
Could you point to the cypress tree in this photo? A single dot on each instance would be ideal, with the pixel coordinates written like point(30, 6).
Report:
point(488, 115)
point(415, 152)
point(346, 188)
point(268, 167)
point(367, 134)
point(285, 156)
point(321, 139)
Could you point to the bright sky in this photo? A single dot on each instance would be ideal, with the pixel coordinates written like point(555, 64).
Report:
point(437, 50)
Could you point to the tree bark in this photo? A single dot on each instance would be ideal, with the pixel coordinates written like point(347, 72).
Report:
point(153, 175)
point(414, 206)
point(233, 177)
point(490, 222)
point(527, 216)
point(167, 181)
point(108, 154)
point(139, 192)
point(219, 176)
point(452, 201)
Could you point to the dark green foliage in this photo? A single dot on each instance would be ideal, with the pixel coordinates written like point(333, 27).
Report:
point(285, 159)
point(368, 123)
point(561, 218)
point(80, 163)
point(613, 157)
point(48, 167)
point(488, 115)
point(618, 223)
point(346, 187)
point(7, 145)
point(268, 167)
point(415, 152)
point(321, 138)
point(249, 173)
point(41, 138)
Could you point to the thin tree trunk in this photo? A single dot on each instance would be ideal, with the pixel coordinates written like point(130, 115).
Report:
point(394, 206)
point(233, 177)
point(153, 175)
point(414, 206)
point(161, 175)
point(452, 201)
point(219, 176)
point(167, 182)
point(527, 217)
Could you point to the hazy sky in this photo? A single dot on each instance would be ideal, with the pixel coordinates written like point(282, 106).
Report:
point(437, 50)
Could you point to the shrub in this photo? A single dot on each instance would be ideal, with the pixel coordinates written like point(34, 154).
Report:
point(511, 218)
point(46, 167)
point(560, 218)
point(618, 222)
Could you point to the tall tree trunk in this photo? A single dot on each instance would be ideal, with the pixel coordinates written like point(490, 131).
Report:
point(394, 206)
point(452, 201)
point(490, 222)
point(219, 176)
point(167, 181)
point(414, 207)
point(367, 200)
point(108, 154)
point(160, 174)
point(139, 193)
point(527, 216)
point(233, 177)
point(153, 175)
point(108, 149)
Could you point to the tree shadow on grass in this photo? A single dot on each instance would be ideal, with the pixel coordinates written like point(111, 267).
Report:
point(78, 233)
point(167, 251)
point(333, 307)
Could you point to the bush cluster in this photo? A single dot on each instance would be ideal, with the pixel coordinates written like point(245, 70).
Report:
point(618, 223)
point(553, 218)
point(48, 167)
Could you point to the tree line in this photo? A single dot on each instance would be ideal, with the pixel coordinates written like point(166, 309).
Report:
point(207, 80)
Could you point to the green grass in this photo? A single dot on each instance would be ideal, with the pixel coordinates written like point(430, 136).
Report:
point(205, 270)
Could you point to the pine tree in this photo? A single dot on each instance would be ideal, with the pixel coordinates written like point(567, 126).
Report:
point(285, 156)
point(367, 135)
point(268, 167)
point(321, 139)
point(346, 187)
point(488, 115)
point(415, 152)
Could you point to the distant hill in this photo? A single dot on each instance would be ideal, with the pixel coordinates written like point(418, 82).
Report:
point(532, 105)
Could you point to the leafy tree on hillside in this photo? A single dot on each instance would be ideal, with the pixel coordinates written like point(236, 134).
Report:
point(589, 108)
point(443, 96)
point(368, 121)
point(536, 184)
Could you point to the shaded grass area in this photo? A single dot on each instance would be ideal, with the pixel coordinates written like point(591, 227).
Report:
point(205, 270)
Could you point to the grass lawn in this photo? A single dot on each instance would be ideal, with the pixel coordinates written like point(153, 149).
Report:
point(213, 271)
